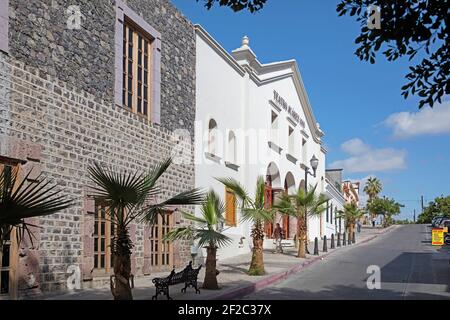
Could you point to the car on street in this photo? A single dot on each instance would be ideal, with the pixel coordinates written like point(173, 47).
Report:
point(437, 221)
point(444, 223)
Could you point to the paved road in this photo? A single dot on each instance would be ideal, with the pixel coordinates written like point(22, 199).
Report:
point(410, 269)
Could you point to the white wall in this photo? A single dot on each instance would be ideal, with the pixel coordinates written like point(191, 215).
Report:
point(228, 95)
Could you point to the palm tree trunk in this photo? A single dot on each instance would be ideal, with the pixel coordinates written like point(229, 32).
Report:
point(257, 263)
point(351, 227)
point(121, 288)
point(210, 281)
point(301, 235)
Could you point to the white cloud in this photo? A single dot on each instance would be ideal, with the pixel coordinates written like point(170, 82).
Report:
point(424, 122)
point(363, 158)
point(355, 147)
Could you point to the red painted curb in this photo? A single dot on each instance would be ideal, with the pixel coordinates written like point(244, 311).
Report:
point(243, 291)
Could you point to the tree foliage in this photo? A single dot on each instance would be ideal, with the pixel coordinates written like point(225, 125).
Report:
point(299, 205)
point(20, 200)
point(386, 207)
point(439, 207)
point(237, 5)
point(131, 196)
point(351, 214)
point(407, 28)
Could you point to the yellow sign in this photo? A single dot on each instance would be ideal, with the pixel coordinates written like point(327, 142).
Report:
point(437, 236)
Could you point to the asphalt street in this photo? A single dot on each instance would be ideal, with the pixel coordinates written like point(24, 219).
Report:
point(410, 268)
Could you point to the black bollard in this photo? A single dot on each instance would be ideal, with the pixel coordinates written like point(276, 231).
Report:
point(339, 240)
point(332, 241)
point(325, 247)
point(349, 238)
point(344, 241)
point(354, 237)
point(316, 247)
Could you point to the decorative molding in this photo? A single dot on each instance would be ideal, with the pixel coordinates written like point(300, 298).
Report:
point(231, 165)
point(291, 121)
point(219, 49)
point(273, 104)
point(291, 158)
point(257, 69)
point(275, 147)
point(212, 157)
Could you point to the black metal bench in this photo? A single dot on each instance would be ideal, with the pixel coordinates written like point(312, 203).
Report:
point(188, 276)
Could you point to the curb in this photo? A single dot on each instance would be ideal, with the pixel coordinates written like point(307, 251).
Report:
point(263, 283)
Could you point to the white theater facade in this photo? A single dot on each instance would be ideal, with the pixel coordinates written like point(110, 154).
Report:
point(253, 120)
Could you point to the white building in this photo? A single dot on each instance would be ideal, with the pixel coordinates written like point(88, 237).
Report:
point(333, 191)
point(253, 119)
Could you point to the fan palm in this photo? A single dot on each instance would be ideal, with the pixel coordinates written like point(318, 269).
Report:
point(373, 188)
point(207, 233)
point(20, 200)
point(252, 210)
point(350, 214)
point(130, 196)
point(300, 205)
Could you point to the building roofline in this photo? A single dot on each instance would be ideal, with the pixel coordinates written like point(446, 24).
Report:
point(260, 69)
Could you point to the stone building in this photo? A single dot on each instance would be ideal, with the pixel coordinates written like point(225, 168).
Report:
point(84, 81)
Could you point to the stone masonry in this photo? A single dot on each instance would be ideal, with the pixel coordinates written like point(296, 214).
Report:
point(57, 116)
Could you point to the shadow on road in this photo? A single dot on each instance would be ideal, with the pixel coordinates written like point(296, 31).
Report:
point(338, 292)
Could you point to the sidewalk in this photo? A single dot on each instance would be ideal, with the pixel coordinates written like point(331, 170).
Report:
point(233, 279)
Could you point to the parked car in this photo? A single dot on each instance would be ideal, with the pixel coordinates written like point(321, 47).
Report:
point(444, 223)
point(437, 221)
point(447, 238)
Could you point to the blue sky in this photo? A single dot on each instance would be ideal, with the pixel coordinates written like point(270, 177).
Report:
point(370, 129)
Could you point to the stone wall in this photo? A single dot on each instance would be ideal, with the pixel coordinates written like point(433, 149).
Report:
point(84, 59)
point(59, 99)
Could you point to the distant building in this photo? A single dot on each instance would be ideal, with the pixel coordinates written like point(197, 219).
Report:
point(351, 192)
point(333, 190)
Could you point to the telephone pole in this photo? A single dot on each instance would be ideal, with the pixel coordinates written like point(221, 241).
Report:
point(422, 203)
point(414, 215)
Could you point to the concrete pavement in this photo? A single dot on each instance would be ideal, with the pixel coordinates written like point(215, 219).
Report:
point(410, 269)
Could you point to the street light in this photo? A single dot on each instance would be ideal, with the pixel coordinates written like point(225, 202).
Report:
point(314, 162)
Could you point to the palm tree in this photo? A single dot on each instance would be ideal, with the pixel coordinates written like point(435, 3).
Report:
point(300, 205)
point(253, 210)
point(130, 196)
point(20, 200)
point(350, 214)
point(207, 233)
point(373, 188)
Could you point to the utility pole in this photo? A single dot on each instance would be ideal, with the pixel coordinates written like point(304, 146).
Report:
point(414, 215)
point(422, 202)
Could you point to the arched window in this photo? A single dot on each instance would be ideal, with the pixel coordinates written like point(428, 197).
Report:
point(232, 155)
point(212, 136)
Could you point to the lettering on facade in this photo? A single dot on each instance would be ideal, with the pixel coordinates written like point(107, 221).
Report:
point(279, 101)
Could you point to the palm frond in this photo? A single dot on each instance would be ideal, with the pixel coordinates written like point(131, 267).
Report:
point(212, 237)
point(259, 193)
point(193, 218)
point(184, 233)
point(191, 197)
point(236, 188)
point(27, 200)
point(256, 215)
